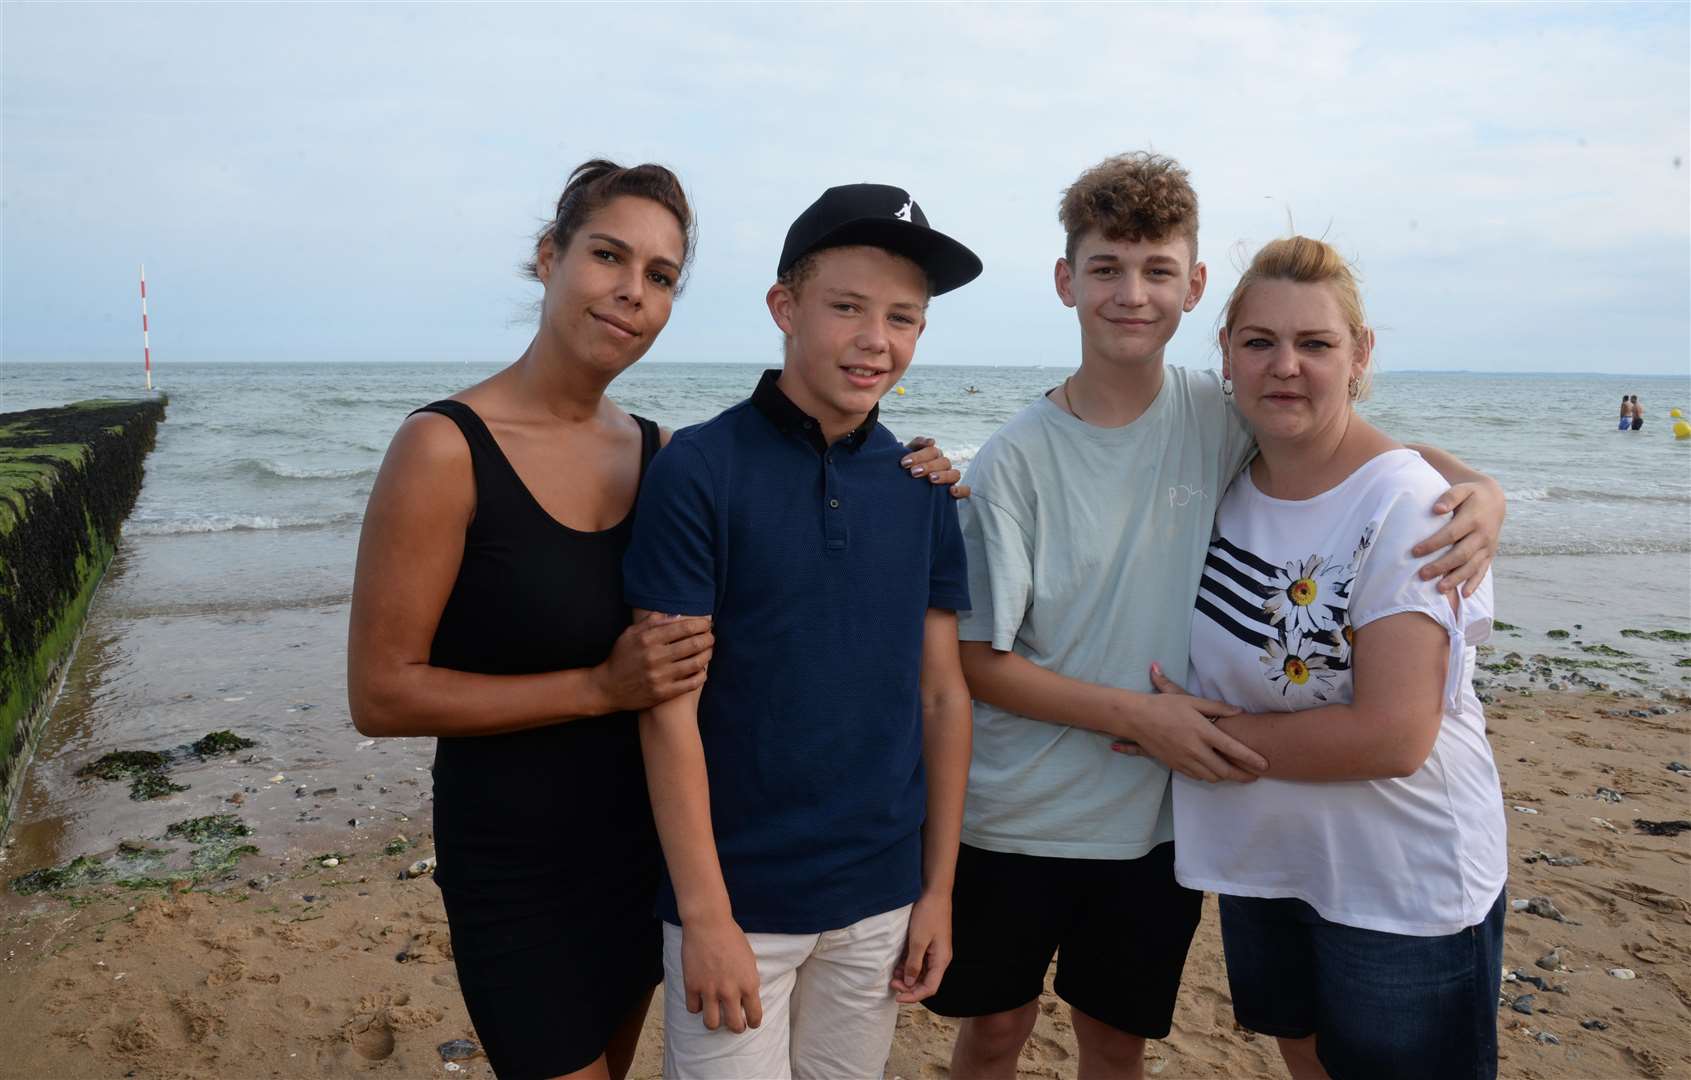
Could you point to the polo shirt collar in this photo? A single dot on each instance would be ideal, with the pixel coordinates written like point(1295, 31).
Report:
point(773, 403)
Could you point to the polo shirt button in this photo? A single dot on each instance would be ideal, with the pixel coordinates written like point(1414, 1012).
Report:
point(808, 424)
point(834, 504)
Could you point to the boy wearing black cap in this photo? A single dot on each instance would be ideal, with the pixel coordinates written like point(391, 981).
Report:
point(809, 798)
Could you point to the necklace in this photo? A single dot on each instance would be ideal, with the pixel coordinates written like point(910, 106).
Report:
point(1068, 404)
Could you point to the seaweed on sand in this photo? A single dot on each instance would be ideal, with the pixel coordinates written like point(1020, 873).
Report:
point(145, 769)
point(220, 742)
point(211, 827)
point(82, 870)
point(121, 763)
point(1657, 635)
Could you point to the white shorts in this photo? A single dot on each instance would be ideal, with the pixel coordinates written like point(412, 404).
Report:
point(828, 1007)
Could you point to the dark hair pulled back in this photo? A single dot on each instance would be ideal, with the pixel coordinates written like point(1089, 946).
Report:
point(592, 186)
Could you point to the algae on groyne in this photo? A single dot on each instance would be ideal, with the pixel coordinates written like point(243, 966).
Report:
point(68, 477)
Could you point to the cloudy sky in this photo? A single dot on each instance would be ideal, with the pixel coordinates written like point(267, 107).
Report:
point(335, 182)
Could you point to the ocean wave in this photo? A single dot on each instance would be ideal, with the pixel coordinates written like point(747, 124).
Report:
point(1597, 495)
point(1618, 545)
point(220, 523)
point(232, 605)
point(281, 470)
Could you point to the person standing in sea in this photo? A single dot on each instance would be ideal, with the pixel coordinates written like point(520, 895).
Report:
point(1637, 413)
point(487, 611)
point(1626, 413)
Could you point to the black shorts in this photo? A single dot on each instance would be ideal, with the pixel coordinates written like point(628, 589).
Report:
point(1120, 929)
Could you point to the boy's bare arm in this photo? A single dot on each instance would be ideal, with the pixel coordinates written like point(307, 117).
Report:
point(947, 730)
point(1176, 730)
point(717, 964)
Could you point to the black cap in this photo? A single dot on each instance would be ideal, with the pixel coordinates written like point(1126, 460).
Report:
point(879, 215)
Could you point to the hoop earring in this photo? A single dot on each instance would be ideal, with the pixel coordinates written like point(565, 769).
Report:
point(1226, 386)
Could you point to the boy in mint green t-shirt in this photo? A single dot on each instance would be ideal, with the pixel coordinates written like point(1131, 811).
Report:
point(1086, 535)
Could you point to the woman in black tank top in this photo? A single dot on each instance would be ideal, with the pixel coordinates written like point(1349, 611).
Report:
point(487, 612)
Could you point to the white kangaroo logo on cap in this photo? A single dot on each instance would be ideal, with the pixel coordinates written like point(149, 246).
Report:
point(904, 211)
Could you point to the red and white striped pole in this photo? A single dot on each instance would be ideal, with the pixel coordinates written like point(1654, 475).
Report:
point(146, 346)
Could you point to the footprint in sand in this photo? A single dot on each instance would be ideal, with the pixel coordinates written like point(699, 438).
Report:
point(427, 947)
point(371, 1028)
point(199, 1020)
point(136, 1037)
point(369, 1031)
point(230, 971)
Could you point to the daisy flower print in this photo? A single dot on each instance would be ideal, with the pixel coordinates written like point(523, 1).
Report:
point(1306, 594)
point(1296, 670)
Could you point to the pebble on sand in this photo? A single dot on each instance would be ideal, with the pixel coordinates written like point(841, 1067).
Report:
point(458, 1050)
point(1623, 973)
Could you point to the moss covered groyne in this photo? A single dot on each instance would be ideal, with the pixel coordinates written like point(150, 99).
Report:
point(68, 477)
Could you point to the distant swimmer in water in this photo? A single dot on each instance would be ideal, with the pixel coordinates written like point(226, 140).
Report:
point(971, 389)
point(1637, 413)
point(1626, 413)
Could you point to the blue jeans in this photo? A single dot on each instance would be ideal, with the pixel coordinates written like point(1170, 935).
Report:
point(1381, 1006)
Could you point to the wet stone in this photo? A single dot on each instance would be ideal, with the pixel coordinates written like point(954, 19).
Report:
point(1553, 860)
point(1594, 1025)
point(1608, 794)
point(1523, 1004)
point(1543, 908)
point(1550, 961)
point(458, 1050)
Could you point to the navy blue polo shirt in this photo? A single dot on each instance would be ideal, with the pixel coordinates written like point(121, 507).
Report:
point(819, 563)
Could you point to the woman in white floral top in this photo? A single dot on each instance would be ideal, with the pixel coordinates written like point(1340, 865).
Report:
point(1361, 878)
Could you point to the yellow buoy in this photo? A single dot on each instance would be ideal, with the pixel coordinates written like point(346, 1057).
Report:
point(1681, 430)
point(901, 391)
point(1675, 413)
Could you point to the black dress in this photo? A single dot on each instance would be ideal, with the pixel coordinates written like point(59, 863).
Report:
point(548, 858)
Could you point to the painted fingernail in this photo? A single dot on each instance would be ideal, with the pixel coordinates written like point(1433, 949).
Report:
point(905, 462)
point(917, 471)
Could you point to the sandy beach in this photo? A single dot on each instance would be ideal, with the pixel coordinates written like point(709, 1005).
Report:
point(293, 968)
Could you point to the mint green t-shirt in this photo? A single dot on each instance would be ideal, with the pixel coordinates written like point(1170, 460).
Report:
point(1085, 549)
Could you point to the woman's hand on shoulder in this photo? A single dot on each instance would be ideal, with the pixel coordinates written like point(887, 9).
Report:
point(657, 658)
point(927, 459)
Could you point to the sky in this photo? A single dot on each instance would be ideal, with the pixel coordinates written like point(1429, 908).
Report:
point(344, 182)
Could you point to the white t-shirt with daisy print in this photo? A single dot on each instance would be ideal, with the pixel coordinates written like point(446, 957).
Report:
point(1285, 585)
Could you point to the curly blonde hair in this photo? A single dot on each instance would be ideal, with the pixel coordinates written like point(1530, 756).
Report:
point(1132, 197)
